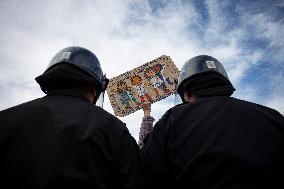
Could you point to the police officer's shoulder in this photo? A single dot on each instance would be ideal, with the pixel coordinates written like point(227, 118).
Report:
point(173, 110)
point(168, 116)
point(165, 123)
point(20, 107)
point(108, 118)
point(180, 105)
point(100, 111)
point(253, 105)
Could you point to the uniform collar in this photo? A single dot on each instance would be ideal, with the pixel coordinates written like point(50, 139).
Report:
point(67, 92)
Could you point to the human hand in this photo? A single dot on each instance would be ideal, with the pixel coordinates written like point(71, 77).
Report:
point(147, 109)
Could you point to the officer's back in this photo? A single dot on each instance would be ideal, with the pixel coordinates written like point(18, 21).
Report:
point(224, 142)
point(63, 140)
point(213, 140)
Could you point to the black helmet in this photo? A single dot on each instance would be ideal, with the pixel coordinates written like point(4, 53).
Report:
point(199, 65)
point(83, 59)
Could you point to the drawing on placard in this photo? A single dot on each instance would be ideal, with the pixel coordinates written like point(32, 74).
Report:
point(148, 83)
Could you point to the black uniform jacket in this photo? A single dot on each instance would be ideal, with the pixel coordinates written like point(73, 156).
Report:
point(64, 141)
point(216, 142)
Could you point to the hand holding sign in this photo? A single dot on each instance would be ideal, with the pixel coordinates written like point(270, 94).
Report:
point(146, 109)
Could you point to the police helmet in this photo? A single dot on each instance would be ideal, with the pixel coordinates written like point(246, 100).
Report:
point(83, 59)
point(197, 65)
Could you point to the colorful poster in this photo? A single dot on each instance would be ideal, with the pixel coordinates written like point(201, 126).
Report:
point(148, 83)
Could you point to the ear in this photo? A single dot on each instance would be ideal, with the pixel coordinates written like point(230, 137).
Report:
point(188, 96)
point(94, 95)
point(185, 96)
point(94, 92)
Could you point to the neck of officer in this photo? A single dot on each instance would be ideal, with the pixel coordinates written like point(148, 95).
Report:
point(89, 93)
point(189, 97)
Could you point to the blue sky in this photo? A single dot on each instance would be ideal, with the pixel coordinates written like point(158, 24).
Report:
point(246, 36)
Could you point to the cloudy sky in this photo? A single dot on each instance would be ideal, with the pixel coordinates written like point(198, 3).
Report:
point(246, 36)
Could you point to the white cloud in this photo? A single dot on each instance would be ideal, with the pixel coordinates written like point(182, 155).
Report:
point(267, 28)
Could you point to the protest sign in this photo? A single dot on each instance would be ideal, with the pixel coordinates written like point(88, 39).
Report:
point(148, 83)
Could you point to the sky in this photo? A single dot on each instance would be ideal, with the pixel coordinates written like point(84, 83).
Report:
point(247, 37)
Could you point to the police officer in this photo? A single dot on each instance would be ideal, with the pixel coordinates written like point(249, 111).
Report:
point(213, 140)
point(64, 140)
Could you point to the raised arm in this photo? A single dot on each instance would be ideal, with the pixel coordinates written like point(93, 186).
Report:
point(146, 125)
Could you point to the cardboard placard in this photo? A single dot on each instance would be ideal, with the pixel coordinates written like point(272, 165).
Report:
point(148, 83)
